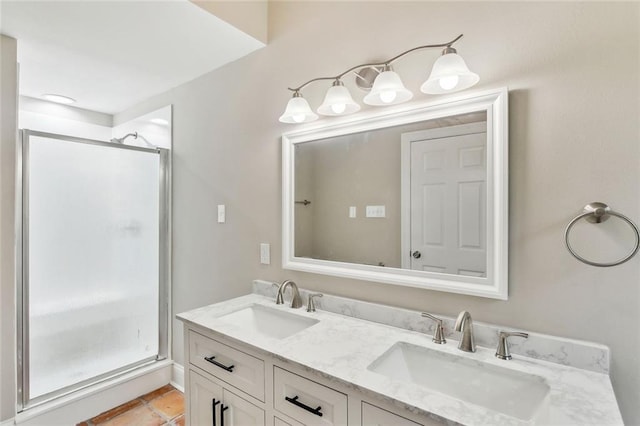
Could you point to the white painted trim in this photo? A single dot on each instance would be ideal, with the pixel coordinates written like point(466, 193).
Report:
point(89, 402)
point(495, 102)
point(8, 422)
point(177, 377)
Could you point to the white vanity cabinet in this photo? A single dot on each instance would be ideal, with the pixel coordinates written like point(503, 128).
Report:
point(230, 384)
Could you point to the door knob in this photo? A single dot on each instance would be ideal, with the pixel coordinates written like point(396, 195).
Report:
point(416, 254)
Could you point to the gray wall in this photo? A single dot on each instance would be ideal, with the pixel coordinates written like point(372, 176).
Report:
point(8, 134)
point(573, 72)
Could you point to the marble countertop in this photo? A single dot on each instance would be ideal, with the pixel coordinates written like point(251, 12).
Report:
point(341, 348)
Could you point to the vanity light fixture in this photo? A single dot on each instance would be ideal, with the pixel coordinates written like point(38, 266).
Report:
point(298, 110)
point(59, 99)
point(449, 74)
point(387, 89)
point(338, 101)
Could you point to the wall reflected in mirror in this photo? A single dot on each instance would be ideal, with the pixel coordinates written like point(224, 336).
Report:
point(412, 196)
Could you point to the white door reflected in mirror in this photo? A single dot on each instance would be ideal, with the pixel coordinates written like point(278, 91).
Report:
point(447, 202)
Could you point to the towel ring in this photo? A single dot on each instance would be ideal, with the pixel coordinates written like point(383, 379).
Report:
point(596, 213)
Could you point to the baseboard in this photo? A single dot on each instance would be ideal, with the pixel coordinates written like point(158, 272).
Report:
point(177, 377)
point(89, 402)
point(8, 422)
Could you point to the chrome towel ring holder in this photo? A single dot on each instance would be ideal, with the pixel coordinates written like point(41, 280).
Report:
point(597, 212)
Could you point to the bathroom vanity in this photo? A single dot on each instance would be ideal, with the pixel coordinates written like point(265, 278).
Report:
point(249, 361)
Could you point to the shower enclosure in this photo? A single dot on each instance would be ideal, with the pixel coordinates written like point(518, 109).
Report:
point(95, 262)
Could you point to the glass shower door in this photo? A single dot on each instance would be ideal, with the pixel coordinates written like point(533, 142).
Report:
point(94, 259)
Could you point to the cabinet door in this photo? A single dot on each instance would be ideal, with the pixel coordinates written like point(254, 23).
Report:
point(203, 393)
point(277, 421)
point(374, 416)
point(240, 412)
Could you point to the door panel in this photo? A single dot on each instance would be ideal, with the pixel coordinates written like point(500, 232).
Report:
point(202, 393)
point(448, 193)
point(241, 412)
point(94, 236)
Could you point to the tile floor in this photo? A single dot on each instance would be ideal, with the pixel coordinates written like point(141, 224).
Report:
point(162, 407)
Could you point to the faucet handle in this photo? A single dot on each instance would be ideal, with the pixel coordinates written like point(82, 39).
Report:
point(502, 351)
point(311, 305)
point(438, 336)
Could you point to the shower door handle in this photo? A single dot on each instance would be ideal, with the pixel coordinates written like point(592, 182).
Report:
point(214, 402)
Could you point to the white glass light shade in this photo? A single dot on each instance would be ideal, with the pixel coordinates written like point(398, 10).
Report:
point(387, 90)
point(298, 111)
point(449, 74)
point(338, 101)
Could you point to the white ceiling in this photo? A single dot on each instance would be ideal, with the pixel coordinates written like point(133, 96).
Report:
point(110, 55)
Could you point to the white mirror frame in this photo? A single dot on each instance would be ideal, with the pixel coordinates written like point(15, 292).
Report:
point(494, 285)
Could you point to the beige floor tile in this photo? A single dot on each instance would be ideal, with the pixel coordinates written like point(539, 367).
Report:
point(140, 416)
point(170, 404)
point(114, 412)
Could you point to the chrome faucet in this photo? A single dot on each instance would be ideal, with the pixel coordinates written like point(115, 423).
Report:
point(464, 323)
point(502, 351)
point(311, 305)
point(438, 336)
point(296, 300)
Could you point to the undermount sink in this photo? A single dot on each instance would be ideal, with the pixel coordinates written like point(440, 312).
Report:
point(268, 322)
point(513, 393)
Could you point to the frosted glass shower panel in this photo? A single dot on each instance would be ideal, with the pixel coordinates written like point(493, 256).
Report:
point(93, 238)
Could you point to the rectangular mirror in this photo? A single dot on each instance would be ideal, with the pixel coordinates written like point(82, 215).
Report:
point(414, 197)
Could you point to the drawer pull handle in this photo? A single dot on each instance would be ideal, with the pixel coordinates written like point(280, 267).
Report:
point(297, 403)
point(212, 360)
point(214, 402)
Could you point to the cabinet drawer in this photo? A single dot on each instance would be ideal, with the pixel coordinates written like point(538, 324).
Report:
point(374, 416)
point(237, 368)
point(292, 393)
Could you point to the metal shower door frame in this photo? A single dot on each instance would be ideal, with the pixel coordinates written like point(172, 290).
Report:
point(22, 280)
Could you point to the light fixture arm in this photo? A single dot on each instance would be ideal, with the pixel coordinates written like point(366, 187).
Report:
point(377, 64)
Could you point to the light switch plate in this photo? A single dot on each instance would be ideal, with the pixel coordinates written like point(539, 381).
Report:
point(376, 211)
point(222, 216)
point(352, 212)
point(265, 254)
